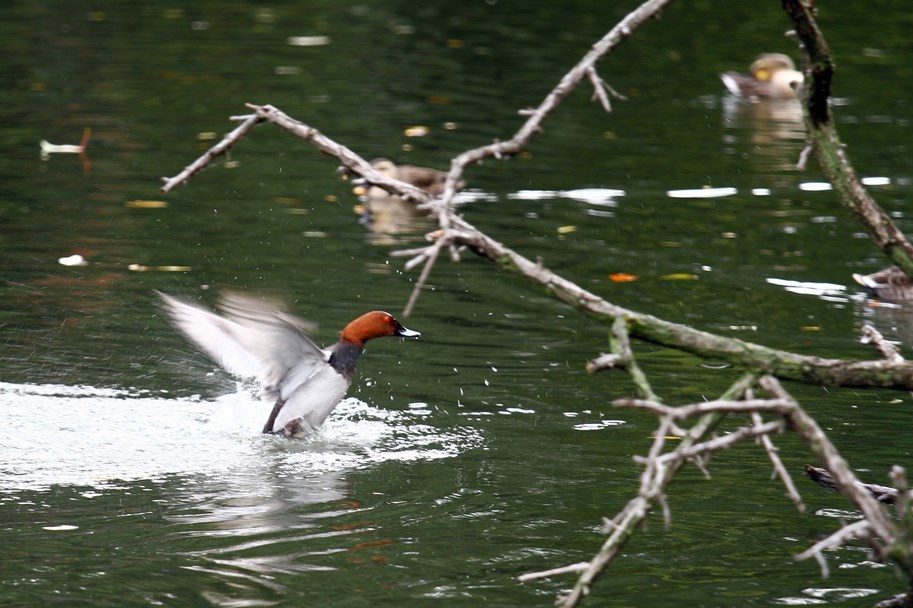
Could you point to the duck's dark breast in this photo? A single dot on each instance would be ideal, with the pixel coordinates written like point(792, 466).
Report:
point(345, 358)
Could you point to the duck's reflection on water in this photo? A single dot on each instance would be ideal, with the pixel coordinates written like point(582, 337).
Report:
point(392, 221)
point(768, 132)
point(893, 321)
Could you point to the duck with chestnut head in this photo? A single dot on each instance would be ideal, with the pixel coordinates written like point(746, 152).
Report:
point(256, 338)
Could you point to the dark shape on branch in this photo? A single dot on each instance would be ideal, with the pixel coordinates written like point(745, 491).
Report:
point(822, 477)
point(430, 180)
point(820, 64)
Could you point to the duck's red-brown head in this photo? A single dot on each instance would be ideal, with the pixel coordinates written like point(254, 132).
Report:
point(374, 324)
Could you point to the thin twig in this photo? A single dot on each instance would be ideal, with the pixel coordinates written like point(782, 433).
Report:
point(570, 569)
point(423, 278)
point(217, 150)
point(870, 335)
point(857, 530)
point(779, 469)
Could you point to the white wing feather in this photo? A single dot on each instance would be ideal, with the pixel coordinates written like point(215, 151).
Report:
point(256, 340)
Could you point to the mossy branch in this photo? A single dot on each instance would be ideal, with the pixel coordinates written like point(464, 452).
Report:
point(815, 94)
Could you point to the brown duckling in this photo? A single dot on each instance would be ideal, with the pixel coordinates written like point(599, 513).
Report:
point(888, 285)
point(429, 180)
point(773, 76)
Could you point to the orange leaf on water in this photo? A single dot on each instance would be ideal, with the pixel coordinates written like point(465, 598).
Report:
point(622, 277)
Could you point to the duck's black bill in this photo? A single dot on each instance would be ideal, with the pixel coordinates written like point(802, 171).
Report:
point(405, 332)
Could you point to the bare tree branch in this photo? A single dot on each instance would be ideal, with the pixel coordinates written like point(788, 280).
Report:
point(856, 530)
point(875, 527)
point(831, 152)
point(217, 150)
point(779, 469)
point(870, 335)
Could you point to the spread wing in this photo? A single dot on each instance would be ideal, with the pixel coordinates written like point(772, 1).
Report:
point(256, 338)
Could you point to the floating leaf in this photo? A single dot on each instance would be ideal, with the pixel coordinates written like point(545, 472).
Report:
point(679, 276)
point(622, 277)
point(566, 229)
point(416, 131)
point(308, 40)
point(146, 204)
point(811, 328)
point(141, 268)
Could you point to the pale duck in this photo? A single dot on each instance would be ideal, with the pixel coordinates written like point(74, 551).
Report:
point(773, 76)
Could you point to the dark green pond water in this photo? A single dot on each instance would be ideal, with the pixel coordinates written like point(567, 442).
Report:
point(131, 470)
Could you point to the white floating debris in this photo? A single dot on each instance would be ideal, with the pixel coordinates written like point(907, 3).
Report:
point(73, 260)
point(532, 195)
point(761, 191)
point(60, 528)
point(472, 196)
point(49, 148)
point(594, 196)
point(309, 40)
point(701, 193)
point(808, 288)
point(815, 187)
point(876, 181)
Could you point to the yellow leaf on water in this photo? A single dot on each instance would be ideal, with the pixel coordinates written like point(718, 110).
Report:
point(566, 229)
point(811, 328)
point(146, 204)
point(141, 268)
point(679, 276)
point(416, 131)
